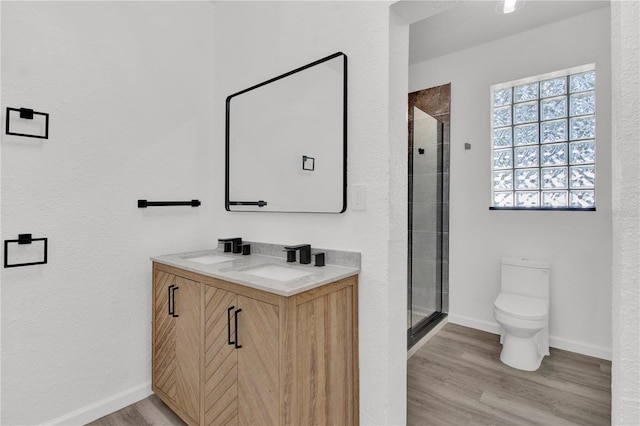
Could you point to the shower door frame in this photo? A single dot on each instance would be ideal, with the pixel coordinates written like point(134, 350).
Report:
point(435, 102)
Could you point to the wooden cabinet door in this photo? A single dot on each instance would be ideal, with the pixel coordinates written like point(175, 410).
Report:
point(241, 366)
point(176, 342)
point(188, 327)
point(258, 363)
point(164, 336)
point(221, 358)
point(326, 359)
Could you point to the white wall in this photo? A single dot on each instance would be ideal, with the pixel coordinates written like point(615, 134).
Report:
point(578, 244)
point(625, 53)
point(129, 88)
point(255, 41)
point(395, 342)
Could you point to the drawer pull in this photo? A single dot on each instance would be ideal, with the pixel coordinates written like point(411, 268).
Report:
point(169, 299)
point(235, 315)
point(229, 342)
point(173, 301)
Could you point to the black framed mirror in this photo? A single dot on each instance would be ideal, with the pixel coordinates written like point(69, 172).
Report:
point(286, 141)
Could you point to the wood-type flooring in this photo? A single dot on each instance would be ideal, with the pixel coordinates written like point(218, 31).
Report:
point(150, 411)
point(457, 379)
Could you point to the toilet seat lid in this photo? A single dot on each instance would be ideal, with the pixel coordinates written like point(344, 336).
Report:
point(523, 307)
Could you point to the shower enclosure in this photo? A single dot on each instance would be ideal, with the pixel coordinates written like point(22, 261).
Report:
point(428, 253)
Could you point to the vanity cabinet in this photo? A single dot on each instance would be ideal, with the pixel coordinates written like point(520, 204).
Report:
point(257, 358)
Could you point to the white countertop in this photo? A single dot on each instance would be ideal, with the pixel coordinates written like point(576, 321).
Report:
point(236, 271)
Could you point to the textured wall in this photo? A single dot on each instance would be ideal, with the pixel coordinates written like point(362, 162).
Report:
point(130, 118)
point(395, 342)
point(625, 53)
point(259, 40)
point(578, 244)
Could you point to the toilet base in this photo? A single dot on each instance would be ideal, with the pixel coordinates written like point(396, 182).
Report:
point(520, 352)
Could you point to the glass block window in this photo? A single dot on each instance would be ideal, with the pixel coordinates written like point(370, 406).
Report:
point(544, 141)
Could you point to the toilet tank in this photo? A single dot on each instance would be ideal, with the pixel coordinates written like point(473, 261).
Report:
point(526, 277)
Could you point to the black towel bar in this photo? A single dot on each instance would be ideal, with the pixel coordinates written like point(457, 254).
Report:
point(142, 204)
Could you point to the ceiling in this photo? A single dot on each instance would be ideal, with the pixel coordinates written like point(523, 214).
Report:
point(466, 24)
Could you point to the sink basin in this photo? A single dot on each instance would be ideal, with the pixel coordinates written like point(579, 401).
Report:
point(209, 259)
point(278, 273)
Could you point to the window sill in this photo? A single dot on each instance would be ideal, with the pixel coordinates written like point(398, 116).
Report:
point(573, 209)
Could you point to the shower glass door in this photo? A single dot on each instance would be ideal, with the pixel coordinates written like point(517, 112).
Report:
point(424, 222)
point(428, 159)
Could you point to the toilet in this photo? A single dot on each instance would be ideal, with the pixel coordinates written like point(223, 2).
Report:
point(522, 310)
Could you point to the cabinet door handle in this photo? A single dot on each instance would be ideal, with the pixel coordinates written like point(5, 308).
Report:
point(229, 342)
point(173, 299)
point(235, 318)
point(169, 299)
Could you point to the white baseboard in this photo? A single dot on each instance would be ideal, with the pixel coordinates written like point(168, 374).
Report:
point(554, 341)
point(489, 327)
point(103, 407)
point(581, 348)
